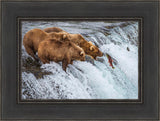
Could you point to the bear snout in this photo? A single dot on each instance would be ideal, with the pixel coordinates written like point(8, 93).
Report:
point(83, 59)
point(99, 53)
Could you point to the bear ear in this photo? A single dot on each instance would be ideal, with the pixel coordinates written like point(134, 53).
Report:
point(81, 53)
point(90, 42)
point(64, 36)
point(91, 48)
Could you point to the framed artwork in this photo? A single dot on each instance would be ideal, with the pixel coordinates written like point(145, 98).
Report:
point(114, 80)
point(79, 63)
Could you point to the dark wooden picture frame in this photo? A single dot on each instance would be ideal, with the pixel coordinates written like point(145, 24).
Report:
point(145, 108)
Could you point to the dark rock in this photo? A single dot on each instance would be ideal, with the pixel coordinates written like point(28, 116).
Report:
point(128, 49)
point(31, 66)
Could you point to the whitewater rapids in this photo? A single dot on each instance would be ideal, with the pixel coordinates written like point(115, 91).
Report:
point(90, 79)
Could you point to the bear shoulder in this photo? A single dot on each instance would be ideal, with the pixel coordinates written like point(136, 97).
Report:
point(52, 29)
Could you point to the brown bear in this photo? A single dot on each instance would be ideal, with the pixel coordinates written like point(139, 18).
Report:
point(78, 39)
point(33, 37)
point(88, 47)
point(53, 50)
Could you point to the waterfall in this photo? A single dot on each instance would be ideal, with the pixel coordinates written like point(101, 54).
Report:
point(93, 79)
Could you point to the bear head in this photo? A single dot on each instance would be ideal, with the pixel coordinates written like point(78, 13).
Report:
point(76, 52)
point(88, 47)
point(93, 50)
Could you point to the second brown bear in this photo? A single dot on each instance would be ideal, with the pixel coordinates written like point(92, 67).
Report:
point(53, 50)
